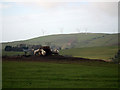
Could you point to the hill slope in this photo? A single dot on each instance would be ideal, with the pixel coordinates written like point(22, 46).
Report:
point(105, 53)
point(72, 40)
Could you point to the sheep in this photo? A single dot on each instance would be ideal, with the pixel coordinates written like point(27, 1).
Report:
point(43, 52)
point(55, 51)
point(39, 52)
point(36, 51)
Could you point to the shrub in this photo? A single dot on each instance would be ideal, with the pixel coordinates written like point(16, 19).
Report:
point(116, 58)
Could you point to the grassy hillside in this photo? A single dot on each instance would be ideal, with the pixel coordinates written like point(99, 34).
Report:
point(18, 74)
point(105, 53)
point(72, 40)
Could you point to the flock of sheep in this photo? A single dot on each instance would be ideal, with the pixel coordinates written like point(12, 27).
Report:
point(43, 51)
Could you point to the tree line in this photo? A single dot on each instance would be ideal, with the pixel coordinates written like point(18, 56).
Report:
point(21, 47)
point(10, 48)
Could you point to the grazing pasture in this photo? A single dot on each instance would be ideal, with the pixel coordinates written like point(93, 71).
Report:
point(59, 74)
point(105, 53)
point(11, 53)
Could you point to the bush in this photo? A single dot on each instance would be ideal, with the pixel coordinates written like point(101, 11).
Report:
point(8, 48)
point(116, 58)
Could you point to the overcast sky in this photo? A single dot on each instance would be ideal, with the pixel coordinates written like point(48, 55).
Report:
point(24, 20)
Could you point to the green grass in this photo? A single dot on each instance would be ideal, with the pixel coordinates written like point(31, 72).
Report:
point(11, 53)
point(71, 40)
point(105, 53)
point(52, 75)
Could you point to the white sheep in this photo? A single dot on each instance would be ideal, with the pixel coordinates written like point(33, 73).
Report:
point(56, 50)
point(40, 52)
point(36, 51)
point(43, 52)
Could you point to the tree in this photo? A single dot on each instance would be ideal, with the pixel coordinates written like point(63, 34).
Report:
point(8, 48)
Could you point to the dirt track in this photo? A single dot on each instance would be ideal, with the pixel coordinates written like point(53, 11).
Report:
point(56, 58)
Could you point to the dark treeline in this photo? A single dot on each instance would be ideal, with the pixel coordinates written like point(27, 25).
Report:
point(16, 48)
point(22, 47)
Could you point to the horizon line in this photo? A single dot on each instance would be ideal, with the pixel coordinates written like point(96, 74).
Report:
point(53, 34)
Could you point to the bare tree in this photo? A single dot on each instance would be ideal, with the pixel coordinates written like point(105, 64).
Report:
point(43, 31)
point(78, 30)
point(114, 30)
point(86, 30)
point(61, 30)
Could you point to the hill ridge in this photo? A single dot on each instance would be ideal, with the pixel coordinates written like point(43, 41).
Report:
point(76, 40)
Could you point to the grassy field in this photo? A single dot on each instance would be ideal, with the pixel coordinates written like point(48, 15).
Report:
point(105, 53)
point(11, 53)
point(59, 75)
